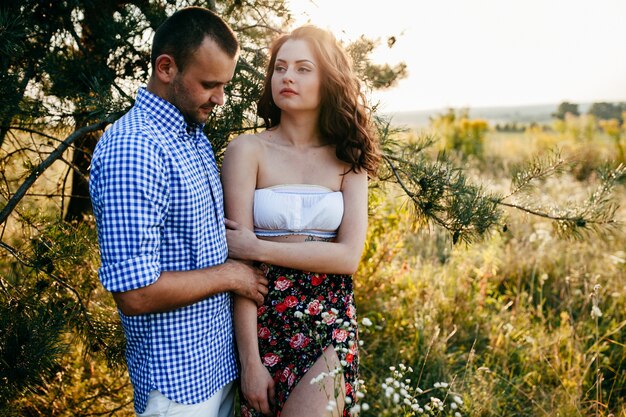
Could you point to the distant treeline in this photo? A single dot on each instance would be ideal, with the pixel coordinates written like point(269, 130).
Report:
point(601, 110)
point(518, 118)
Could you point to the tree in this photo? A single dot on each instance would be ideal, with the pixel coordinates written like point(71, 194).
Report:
point(565, 108)
point(607, 111)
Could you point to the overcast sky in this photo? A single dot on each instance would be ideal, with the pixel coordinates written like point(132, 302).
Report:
point(476, 53)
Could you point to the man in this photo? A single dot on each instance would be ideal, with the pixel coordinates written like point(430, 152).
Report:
point(158, 205)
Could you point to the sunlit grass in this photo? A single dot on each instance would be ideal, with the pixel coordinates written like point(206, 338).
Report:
point(511, 322)
point(522, 323)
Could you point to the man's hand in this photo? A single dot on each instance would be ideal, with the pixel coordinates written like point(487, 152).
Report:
point(247, 281)
point(176, 289)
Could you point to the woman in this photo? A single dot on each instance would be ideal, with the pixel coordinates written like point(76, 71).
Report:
point(301, 185)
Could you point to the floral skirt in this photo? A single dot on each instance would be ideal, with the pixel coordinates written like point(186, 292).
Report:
point(304, 313)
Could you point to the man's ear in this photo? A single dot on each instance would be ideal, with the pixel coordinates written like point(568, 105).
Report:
point(165, 68)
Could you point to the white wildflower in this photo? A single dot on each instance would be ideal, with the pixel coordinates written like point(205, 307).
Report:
point(596, 312)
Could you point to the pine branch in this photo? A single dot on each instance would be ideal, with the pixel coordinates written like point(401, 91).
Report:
point(83, 308)
point(598, 210)
point(539, 168)
point(441, 194)
point(56, 154)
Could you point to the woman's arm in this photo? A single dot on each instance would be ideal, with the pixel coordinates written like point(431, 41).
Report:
point(341, 256)
point(239, 174)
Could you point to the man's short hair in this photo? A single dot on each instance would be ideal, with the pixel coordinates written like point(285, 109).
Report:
point(183, 32)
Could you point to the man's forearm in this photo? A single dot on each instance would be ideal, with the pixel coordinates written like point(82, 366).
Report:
point(175, 289)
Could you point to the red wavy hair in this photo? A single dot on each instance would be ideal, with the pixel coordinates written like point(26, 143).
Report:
point(344, 118)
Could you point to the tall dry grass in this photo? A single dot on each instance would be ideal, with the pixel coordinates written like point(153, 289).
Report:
point(523, 323)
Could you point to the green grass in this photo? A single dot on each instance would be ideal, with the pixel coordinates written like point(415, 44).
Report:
point(502, 327)
point(506, 321)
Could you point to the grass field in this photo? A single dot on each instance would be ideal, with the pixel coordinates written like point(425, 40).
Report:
point(522, 323)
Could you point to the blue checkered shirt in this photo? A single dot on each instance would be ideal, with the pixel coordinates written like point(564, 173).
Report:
point(158, 204)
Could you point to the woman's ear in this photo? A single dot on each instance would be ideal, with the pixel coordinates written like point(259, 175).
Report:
point(165, 68)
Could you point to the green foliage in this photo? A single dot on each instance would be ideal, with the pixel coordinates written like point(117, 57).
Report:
point(375, 76)
point(508, 322)
point(52, 303)
point(30, 341)
point(607, 111)
point(617, 133)
point(439, 191)
point(460, 133)
point(564, 109)
point(578, 127)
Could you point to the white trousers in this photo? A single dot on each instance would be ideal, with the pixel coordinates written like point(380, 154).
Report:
point(221, 404)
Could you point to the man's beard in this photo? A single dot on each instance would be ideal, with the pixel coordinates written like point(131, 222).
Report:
point(179, 97)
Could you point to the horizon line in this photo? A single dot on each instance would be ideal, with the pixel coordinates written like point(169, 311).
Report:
point(502, 106)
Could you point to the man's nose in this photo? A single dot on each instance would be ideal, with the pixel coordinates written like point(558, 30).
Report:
point(218, 97)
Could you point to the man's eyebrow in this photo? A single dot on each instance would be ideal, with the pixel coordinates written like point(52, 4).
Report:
point(212, 82)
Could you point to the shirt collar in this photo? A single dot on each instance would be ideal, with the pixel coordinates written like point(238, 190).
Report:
point(166, 115)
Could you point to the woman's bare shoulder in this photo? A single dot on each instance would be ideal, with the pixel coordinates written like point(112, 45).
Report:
point(246, 140)
point(247, 144)
point(352, 179)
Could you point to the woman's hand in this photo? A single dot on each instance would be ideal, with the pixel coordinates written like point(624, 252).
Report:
point(257, 386)
point(242, 242)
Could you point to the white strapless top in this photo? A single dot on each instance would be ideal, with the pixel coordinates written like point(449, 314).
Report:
point(297, 209)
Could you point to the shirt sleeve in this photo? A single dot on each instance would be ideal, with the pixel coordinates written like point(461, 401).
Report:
point(129, 192)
